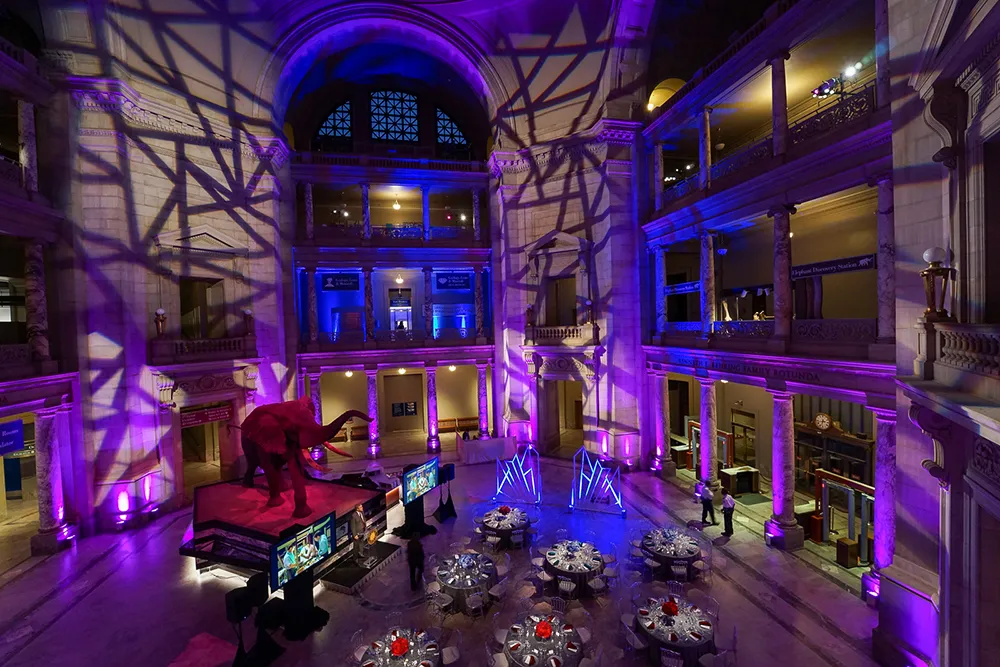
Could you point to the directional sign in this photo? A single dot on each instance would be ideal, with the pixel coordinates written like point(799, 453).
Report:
point(455, 281)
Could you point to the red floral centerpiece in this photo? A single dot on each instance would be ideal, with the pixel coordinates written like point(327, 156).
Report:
point(543, 630)
point(399, 647)
point(669, 608)
point(505, 510)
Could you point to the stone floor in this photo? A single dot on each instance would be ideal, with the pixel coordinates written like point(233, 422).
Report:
point(131, 599)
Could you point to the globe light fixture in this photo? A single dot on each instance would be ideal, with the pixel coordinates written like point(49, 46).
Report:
point(399, 279)
point(936, 277)
point(401, 371)
point(349, 374)
point(650, 106)
point(395, 205)
point(451, 368)
point(462, 217)
point(346, 213)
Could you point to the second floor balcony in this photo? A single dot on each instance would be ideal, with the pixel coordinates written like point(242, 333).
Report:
point(171, 351)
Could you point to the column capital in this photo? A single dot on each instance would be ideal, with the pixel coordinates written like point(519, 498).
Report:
point(371, 372)
point(364, 186)
point(425, 188)
point(706, 382)
point(368, 270)
point(482, 366)
point(778, 209)
point(883, 414)
point(779, 57)
point(431, 370)
point(781, 394)
point(878, 179)
point(313, 377)
point(427, 269)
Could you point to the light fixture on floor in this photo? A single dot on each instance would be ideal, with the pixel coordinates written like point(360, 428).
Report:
point(349, 374)
point(399, 278)
point(451, 368)
point(395, 205)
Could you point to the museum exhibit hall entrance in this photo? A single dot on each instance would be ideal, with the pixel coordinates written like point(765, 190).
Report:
point(206, 442)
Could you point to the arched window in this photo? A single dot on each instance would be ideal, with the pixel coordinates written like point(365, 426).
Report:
point(394, 116)
point(448, 132)
point(338, 124)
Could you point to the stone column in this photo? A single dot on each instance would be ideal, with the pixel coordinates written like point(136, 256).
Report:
point(477, 234)
point(885, 489)
point(428, 303)
point(433, 441)
point(480, 325)
point(886, 260)
point(782, 272)
point(657, 176)
point(660, 264)
point(660, 403)
point(779, 104)
point(369, 305)
point(709, 449)
point(313, 306)
point(781, 529)
point(425, 192)
point(36, 303)
point(484, 407)
point(705, 149)
point(883, 94)
point(366, 212)
point(310, 212)
point(373, 439)
point(316, 396)
point(51, 535)
point(27, 147)
point(707, 283)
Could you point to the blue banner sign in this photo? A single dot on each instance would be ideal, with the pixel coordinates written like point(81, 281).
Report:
point(682, 288)
point(341, 282)
point(859, 263)
point(456, 281)
point(11, 437)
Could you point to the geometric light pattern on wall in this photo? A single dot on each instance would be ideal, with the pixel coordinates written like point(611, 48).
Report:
point(394, 116)
point(338, 123)
point(595, 486)
point(448, 132)
point(519, 480)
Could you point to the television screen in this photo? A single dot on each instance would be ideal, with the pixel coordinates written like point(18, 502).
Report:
point(420, 480)
point(295, 555)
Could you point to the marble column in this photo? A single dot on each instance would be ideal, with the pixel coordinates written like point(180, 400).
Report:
point(779, 104)
point(310, 212)
point(369, 305)
point(366, 212)
point(657, 184)
point(433, 441)
point(480, 322)
point(484, 408)
point(477, 234)
point(708, 451)
point(782, 272)
point(883, 94)
point(885, 489)
point(51, 535)
point(316, 396)
point(705, 149)
point(660, 403)
point(660, 265)
point(781, 529)
point(27, 147)
point(36, 302)
point(886, 260)
point(373, 439)
point(707, 283)
point(428, 303)
point(425, 192)
point(313, 306)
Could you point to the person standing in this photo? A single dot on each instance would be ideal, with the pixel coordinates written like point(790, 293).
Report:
point(728, 507)
point(358, 530)
point(707, 508)
point(415, 559)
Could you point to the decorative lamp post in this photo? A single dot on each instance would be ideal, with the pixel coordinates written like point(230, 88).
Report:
point(936, 279)
point(161, 321)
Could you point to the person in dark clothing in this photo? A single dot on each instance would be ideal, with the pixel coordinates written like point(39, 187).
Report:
point(415, 559)
point(707, 508)
point(465, 436)
point(728, 507)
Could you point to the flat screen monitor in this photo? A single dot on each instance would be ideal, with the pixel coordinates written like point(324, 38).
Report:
point(420, 480)
point(295, 555)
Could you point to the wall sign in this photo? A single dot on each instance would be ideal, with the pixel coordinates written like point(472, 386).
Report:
point(410, 409)
point(859, 263)
point(455, 281)
point(397, 409)
point(11, 437)
point(341, 282)
point(682, 288)
point(206, 416)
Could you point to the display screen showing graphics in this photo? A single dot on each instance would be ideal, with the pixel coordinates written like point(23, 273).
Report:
point(420, 480)
point(295, 555)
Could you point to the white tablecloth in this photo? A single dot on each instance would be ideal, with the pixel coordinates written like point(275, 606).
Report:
point(486, 451)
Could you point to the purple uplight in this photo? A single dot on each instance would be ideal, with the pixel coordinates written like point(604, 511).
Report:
point(123, 502)
point(146, 487)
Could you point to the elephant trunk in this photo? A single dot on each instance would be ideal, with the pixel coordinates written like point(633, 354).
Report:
point(315, 434)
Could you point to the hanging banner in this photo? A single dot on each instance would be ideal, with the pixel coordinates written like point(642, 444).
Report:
point(206, 416)
point(859, 263)
point(341, 282)
point(455, 281)
point(11, 437)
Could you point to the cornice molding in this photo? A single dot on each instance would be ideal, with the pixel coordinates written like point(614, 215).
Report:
point(593, 142)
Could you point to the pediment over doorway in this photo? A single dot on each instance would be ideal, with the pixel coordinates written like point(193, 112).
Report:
point(201, 238)
point(557, 241)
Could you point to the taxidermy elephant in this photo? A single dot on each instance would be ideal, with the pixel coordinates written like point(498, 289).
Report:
point(282, 433)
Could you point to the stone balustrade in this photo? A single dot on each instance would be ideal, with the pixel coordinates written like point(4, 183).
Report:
point(562, 335)
point(384, 162)
point(967, 358)
point(744, 329)
point(166, 351)
point(15, 362)
point(834, 331)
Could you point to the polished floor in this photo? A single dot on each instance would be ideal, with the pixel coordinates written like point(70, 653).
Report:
point(132, 599)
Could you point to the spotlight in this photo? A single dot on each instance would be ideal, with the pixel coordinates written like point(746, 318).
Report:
point(399, 278)
point(858, 66)
point(395, 205)
point(850, 71)
point(689, 167)
point(401, 371)
point(650, 107)
point(743, 294)
point(349, 374)
point(827, 88)
point(451, 368)
point(448, 217)
point(462, 217)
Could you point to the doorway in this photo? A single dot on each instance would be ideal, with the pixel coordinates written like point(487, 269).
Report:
point(19, 506)
point(203, 308)
point(205, 441)
point(744, 427)
point(400, 310)
point(560, 417)
point(560, 302)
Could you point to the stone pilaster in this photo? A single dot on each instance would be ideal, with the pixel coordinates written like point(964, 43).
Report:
point(316, 396)
point(660, 265)
point(707, 283)
point(484, 406)
point(477, 234)
point(433, 441)
point(779, 104)
point(366, 211)
point(659, 400)
point(657, 184)
point(883, 93)
point(313, 306)
point(369, 305)
point(885, 489)
point(310, 212)
point(705, 149)
point(782, 272)
point(52, 531)
point(27, 146)
point(373, 439)
point(480, 326)
point(36, 302)
point(428, 302)
point(781, 530)
point(709, 448)
point(425, 196)
point(886, 260)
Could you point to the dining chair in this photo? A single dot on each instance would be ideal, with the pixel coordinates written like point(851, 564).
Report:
point(503, 566)
point(478, 520)
point(358, 646)
point(495, 659)
point(393, 620)
point(517, 539)
point(710, 606)
point(568, 587)
point(558, 604)
point(493, 542)
point(562, 534)
point(593, 660)
point(434, 586)
point(611, 555)
point(597, 585)
point(653, 566)
point(475, 605)
point(679, 572)
point(500, 627)
point(675, 588)
point(634, 641)
point(590, 536)
point(538, 562)
point(670, 658)
point(499, 591)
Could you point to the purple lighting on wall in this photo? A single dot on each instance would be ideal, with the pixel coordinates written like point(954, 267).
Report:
point(146, 487)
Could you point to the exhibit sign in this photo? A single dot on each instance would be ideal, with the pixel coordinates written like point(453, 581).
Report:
point(11, 437)
point(453, 281)
point(404, 409)
point(682, 288)
point(859, 263)
point(222, 413)
point(341, 282)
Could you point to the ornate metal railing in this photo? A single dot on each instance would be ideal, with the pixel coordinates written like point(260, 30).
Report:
point(348, 160)
point(742, 159)
point(173, 351)
point(15, 355)
point(11, 51)
point(687, 328)
point(744, 329)
point(399, 336)
point(10, 171)
point(406, 230)
point(835, 331)
point(341, 230)
point(451, 233)
point(680, 189)
point(456, 334)
point(341, 337)
point(970, 347)
point(849, 109)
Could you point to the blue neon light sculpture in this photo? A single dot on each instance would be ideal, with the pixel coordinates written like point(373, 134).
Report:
point(519, 480)
point(596, 487)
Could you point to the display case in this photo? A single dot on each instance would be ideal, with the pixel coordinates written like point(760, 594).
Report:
point(725, 459)
point(830, 449)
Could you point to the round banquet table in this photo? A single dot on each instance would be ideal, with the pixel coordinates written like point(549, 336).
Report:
point(672, 546)
point(577, 561)
point(465, 574)
point(502, 525)
point(691, 632)
point(524, 647)
point(421, 650)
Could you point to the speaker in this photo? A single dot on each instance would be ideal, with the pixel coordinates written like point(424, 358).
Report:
point(257, 589)
point(238, 605)
point(447, 473)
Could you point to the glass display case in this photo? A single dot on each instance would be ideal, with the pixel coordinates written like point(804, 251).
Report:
point(834, 450)
point(744, 438)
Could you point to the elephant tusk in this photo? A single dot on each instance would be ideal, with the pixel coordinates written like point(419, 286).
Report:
point(335, 450)
point(309, 460)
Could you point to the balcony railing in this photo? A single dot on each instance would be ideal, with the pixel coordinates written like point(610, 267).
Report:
point(406, 233)
point(15, 362)
point(680, 189)
point(683, 329)
point(834, 331)
point(742, 159)
point(970, 347)
point(849, 109)
point(744, 329)
point(396, 338)
point(406, 230)
point(584, 334)
point(11, 172)
point(165, 351)
point(379, 162)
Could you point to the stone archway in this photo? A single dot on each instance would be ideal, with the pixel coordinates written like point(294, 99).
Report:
point(548, 367)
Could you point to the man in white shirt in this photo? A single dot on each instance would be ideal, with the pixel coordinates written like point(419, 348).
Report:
point(707, 508)
point(728, 507)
